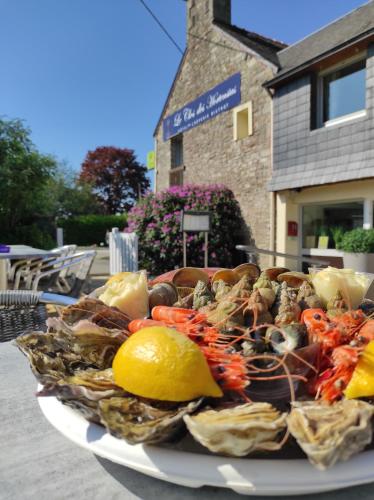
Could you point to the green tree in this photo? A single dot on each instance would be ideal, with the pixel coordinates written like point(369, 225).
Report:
point(24, 180)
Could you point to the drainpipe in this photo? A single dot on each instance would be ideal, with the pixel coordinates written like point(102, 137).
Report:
point(155, 174)
point(273, 206)
point(368, 214)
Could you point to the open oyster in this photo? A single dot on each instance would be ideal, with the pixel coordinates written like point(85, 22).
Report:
point(85, 389)
point(330, 433)
point(238, 431)
point(137, 422)
point(56, 355)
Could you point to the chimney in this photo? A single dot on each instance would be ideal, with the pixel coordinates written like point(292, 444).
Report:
point(201, 14)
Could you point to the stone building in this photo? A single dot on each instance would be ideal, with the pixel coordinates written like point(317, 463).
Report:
point(323, 161)
point(216, 124)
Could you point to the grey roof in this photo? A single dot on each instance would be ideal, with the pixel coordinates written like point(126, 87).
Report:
point(264, 46)
point(355, 25)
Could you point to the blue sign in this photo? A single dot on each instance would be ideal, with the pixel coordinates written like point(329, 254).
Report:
point(224, 96)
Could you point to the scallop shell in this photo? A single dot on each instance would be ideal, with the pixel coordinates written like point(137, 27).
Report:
point(248, 269)
point(294, 279)
point(189, 276)
point(238, 431)
point(228, 276)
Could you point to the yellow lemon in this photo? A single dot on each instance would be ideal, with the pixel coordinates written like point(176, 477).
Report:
point(161, 363)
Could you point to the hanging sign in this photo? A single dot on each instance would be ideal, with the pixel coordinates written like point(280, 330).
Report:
point(224, 96)
point(292, 228)
point(151, 160)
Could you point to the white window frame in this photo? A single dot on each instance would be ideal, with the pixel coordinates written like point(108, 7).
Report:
point(236, 111)
point(320, 97)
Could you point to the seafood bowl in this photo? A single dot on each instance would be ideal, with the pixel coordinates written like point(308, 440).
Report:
point(247, 367)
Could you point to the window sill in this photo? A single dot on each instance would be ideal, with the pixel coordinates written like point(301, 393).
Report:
point(345, 118)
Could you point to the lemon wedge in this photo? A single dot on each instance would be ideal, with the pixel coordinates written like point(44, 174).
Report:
point(161, 363)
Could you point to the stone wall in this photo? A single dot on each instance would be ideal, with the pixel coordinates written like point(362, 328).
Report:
point(210, 153)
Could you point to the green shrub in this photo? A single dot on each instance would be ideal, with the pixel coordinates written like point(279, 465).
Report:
point(157, 221)
point(85, 230)
point(32, 235)
point(337, 235)
point(358, 241)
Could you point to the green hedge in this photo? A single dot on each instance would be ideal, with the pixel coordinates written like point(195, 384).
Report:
point(358, 241)
point(85, 230)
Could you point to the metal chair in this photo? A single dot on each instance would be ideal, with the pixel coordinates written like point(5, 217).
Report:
point(24, 310)
point(21, 269)
point(46, 275)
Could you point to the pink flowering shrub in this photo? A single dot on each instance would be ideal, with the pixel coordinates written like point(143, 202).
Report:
point(157, 220)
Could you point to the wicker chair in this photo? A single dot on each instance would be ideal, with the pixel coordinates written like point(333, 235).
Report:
point(24, 310)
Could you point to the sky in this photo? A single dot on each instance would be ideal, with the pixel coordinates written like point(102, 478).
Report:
point(89, 73)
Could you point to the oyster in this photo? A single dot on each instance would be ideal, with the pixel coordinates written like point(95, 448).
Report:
point(202, 296)
point(85, 389)
point(330, 433)
point(56, 355)
point(238, 431)
point(83, 309)
point(137, 422)
point(273, 272)
point(97, 312)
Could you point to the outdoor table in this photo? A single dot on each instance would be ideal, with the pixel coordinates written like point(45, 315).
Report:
point(37, 462)
point(19, 252)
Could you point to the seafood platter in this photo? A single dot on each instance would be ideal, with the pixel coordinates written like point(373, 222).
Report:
point(240, 367)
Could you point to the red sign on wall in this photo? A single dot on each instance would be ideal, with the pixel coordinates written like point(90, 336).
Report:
point(292, 228)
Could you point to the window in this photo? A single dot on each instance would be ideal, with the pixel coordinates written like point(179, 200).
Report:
point(177, 167)
point(243, 121)
point(177, 151)
point(341, 92)
point(330, 220)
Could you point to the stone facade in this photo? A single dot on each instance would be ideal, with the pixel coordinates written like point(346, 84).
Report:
point(210, 153)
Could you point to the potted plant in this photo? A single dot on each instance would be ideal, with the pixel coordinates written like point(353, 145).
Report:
point(358, 248)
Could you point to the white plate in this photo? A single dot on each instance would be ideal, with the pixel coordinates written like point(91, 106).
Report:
point(246, 476)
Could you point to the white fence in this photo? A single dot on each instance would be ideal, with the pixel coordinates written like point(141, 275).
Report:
point(123, 251)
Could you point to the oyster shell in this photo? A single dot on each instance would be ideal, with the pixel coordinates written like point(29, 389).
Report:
point(294, 279)
point(330, 433)
point(273, 272)
point(238, 431)
point(85, 389)
point(137, 422)
point(53, 356)
point(248, 269)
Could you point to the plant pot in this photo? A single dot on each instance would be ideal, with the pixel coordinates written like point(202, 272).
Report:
point(361, 262)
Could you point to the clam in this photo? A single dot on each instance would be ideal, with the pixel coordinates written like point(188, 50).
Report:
point(248, 269)
point(228, 276)
point(273, 272)
point(163, 294)
point(238, 431)
point(137, 422)
point(294, 279)
point(189, 276)
point(328, 433)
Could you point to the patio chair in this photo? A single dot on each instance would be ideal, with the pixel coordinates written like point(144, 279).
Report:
point(24, 310)
point(20, 270)
point(45, 276)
